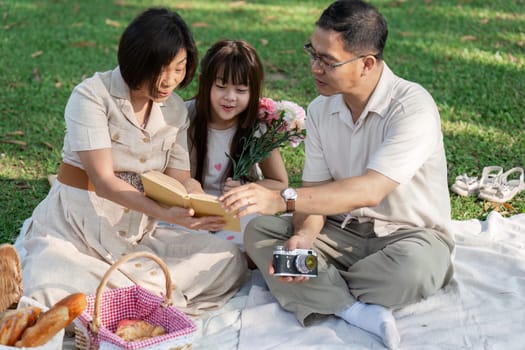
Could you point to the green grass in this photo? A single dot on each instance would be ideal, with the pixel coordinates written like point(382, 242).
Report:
point(470, 54)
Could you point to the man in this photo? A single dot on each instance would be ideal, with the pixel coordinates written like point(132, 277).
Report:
point(374, 202)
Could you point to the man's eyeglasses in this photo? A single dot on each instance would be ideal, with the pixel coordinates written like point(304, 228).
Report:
point(314, 57)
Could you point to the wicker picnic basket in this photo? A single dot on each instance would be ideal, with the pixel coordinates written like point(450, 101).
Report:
point(94, 328)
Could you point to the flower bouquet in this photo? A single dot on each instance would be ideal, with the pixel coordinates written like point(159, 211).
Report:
point(280, 122)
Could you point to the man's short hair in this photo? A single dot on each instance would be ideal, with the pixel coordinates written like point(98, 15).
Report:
point(363, 28)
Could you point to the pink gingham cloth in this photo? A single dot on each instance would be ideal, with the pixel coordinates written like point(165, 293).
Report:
point(135, 302)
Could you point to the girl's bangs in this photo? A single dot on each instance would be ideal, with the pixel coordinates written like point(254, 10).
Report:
point(235, 72)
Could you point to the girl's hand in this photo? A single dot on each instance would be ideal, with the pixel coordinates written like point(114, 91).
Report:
point(185, 217)
point(252, 198)
point(231, 184)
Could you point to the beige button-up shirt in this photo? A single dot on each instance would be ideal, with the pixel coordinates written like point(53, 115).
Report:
point(398, 135)
point(99, 115)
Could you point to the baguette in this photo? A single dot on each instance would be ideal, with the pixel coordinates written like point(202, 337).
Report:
point(76, 303)
point(14, 322)
point(53, 321)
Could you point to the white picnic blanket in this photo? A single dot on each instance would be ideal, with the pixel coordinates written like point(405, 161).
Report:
point(482, 308)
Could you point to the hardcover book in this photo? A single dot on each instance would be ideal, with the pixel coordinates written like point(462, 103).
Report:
point(169, 192)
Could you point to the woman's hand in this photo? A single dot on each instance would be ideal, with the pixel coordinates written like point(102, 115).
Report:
point(252, 198)
point(185, 217)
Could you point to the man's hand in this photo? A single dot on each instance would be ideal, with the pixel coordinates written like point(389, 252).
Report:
point(294, 242)
point(253, 198)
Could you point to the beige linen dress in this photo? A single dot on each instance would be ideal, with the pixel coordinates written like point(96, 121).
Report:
point(74, 235)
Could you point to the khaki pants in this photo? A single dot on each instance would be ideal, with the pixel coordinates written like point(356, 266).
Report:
point(354, 264)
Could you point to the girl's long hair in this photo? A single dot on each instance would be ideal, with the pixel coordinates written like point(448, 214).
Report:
point(235, 62)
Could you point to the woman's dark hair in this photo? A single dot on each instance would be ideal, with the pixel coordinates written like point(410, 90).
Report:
point(363, 28)
point(151, 42)
point(234, 62)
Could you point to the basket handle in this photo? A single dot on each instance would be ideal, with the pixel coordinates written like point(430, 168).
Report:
point(95, 324)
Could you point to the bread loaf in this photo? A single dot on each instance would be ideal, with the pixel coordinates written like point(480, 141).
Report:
point(14, 322)
point(133, 330)
point(10, 276)
point(53, 321)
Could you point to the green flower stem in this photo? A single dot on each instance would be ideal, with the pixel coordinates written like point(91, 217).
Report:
point(255, 149)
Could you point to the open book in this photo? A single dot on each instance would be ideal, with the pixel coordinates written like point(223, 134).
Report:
point(170, 192)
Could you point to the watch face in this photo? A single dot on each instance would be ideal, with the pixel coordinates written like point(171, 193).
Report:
point(289, 193)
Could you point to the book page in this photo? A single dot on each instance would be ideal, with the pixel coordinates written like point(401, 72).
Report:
point(209, 205)
point(165, 189)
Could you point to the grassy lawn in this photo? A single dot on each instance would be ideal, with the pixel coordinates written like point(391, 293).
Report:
point(470, 55)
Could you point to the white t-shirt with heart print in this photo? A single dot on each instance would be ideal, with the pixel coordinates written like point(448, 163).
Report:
point(216, 163)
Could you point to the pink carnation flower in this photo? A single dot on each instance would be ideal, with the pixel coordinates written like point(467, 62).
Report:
point(267, 109)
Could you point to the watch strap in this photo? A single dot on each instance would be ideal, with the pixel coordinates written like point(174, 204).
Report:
point(290, 205)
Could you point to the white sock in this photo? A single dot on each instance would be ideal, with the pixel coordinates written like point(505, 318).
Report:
point(375, 319)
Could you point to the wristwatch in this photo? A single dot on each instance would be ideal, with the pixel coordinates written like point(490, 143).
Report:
point(289, 195)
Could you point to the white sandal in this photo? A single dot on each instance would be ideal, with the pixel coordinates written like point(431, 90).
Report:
point(504, 188)
point(490, 177)
point(465, 185)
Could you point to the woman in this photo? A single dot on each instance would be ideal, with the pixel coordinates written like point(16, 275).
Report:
point(120, 124)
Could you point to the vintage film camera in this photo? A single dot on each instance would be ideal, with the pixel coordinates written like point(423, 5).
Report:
point(298, 262)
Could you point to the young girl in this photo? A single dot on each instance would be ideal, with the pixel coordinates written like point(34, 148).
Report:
point(222, 113)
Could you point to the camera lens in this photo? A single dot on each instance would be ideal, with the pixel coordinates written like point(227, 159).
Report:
point(305, 263)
